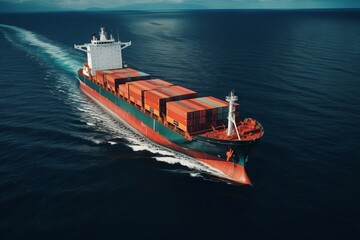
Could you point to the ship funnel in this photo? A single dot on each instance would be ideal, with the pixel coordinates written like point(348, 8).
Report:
point(231, 99)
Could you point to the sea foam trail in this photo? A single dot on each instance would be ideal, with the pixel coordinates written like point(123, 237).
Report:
point(61, 57)
point(30, 41)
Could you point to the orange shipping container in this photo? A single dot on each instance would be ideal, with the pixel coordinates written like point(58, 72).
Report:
point(183, 110)
point(189, 126)
point(100, 77)
point(139, 87)
point(143, 85)
point(159, 97)
point(135, 98)
point(172, 92)
point(199, 113)
point(121, 90)
point(131, 74)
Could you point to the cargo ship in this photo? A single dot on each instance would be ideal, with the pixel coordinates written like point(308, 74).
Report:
point(207, 129)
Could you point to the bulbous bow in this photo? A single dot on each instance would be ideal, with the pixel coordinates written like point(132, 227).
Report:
point(232, 171)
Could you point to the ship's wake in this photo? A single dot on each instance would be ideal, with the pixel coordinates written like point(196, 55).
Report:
point(62, 63)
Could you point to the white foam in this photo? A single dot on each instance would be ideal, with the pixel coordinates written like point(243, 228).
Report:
point(195, 174)
point(56, 53)
point(81, 109)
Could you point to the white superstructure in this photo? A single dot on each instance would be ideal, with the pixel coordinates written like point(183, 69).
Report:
point(103, 53)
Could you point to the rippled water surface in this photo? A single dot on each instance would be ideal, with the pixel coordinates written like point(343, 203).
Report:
point(71, 170)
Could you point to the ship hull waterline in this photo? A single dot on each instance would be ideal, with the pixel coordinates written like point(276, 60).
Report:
point(232, 171)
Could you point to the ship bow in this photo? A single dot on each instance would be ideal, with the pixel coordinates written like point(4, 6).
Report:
point(232, 171)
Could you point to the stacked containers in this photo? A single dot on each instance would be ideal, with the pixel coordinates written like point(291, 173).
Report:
point(131, 74)
point(101, 76)
point(135, 90)
point(113, 78)
point(217, 111)
point(155, 100)
point(198, 114)
point(184, 115)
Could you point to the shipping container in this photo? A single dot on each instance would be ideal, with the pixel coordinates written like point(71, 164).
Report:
point(143, 85)
point(131, 74)
point(198, 114)
point(156, 99)
point(113, 77)
point(150, 107)
point(222, 108)
point(121, 90)
point(100, 77)
point(186, 115)
point(114, 80)
point(184, 110)
point(139, 87)
point(199, 106)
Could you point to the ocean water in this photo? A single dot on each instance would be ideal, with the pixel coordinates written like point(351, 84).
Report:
point(70, 170)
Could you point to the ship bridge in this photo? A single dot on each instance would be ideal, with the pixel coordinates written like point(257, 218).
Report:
point(103, 53)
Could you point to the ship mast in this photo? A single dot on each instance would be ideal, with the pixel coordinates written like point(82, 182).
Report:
point(231, 116)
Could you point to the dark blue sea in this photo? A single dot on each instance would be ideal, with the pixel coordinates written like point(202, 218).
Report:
point(71, 170)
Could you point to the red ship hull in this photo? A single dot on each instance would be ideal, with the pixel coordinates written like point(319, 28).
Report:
point(231, 171)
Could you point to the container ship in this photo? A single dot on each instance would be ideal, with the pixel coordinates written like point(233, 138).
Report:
point(207, 129)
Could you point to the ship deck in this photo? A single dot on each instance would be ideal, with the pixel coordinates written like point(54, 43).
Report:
point(247, 129)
